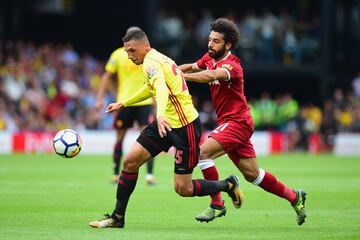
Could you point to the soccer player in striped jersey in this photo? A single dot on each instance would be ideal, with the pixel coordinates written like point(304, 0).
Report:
point(177, 124)
point(223, 72)
point(129, 79)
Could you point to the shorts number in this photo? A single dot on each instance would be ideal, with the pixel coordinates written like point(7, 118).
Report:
point(178, 157)
point(221, 128)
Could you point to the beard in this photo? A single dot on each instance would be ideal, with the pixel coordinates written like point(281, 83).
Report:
point(217, 54)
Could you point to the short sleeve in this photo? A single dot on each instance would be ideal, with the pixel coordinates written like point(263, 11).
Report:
point(231, 69)
point(201, 62)
point(153, 72)
point(111, 64)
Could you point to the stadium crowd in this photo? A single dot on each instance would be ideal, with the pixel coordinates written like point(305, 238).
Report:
point(51, 87)
point(266, 36)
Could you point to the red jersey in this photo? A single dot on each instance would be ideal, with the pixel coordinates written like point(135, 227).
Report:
point(227, 96)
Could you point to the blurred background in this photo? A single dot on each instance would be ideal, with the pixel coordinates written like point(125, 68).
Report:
point(300, 59)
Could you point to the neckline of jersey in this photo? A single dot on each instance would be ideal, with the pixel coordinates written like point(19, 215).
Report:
point(224, 58)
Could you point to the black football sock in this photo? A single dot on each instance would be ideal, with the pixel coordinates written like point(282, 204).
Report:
point(150, 166)
point(117, 157)
point(126, 186)
point(206, 187)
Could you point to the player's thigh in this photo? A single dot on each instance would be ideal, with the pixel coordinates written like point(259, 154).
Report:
point(186, 141)
point(183, 184)
point(233, 134)
point(143, 114)
point(211, 149)
point(151, 140)
point(136, 157)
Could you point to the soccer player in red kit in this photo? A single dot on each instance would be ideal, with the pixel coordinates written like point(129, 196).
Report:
point(223, 72)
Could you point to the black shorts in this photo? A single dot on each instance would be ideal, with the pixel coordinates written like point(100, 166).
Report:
point(186, 141)
point(126, 117)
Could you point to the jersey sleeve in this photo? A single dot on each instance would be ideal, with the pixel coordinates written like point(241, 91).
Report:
point(153, 72)
point(201, 62)
point(231, 69)
point(157, 82)
point(141, 95)
point(111, 63)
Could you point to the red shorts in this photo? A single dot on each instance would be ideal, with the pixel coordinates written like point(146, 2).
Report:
point(234, 136)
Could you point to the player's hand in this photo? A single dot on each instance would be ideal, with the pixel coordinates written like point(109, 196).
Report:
point(99, 104)
point(112, 107)
point(163, 126)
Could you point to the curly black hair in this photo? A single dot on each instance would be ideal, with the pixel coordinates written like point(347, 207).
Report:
point(228, 28)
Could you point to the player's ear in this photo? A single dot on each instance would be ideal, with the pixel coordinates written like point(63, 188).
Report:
point(228, 46)
point(147, 44)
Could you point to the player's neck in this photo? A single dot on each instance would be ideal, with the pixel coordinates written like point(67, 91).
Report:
point(148, 50)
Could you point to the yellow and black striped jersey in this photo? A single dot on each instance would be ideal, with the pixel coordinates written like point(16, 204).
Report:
point(179, 109)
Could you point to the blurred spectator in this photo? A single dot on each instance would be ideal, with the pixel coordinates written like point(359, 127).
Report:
point(267, 109)
point(288, 39)
point(202, 27)
point(255, 113)
point(339, 99)
point(267, 38)
point(313, 116)
point(287, 109)
point(328, 126)
point(356, 85)
point(356, 118)
point(344, 118)
point(169, 32)
point(298, 132)
point(68, 56)
point(248, 28)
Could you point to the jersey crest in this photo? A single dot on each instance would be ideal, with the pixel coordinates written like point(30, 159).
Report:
point(227, 66)
point(151, 71)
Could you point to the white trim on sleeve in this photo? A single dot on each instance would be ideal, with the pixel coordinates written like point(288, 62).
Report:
point(196, 66)
point(227, 71)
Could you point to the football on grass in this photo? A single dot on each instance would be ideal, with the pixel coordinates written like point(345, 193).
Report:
point(67, 143)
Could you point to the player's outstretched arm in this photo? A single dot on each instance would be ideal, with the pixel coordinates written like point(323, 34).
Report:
point(189, 68)
point(112, 107)
point(139, 96)
point(207, 76)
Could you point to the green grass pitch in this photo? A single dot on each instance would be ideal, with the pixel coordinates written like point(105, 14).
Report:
point(48, 197)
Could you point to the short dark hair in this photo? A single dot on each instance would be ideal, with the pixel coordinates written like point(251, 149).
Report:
point(228, 28)
point(134, 33)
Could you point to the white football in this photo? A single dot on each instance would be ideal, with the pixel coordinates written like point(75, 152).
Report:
point(67, 143)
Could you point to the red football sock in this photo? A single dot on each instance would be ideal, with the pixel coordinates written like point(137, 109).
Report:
point(211, 173)
point(272, 185)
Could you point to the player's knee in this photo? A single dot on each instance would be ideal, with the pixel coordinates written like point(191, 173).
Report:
point(250, 174)
point(183, 190)
point(205, 153)
point(130, 165)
